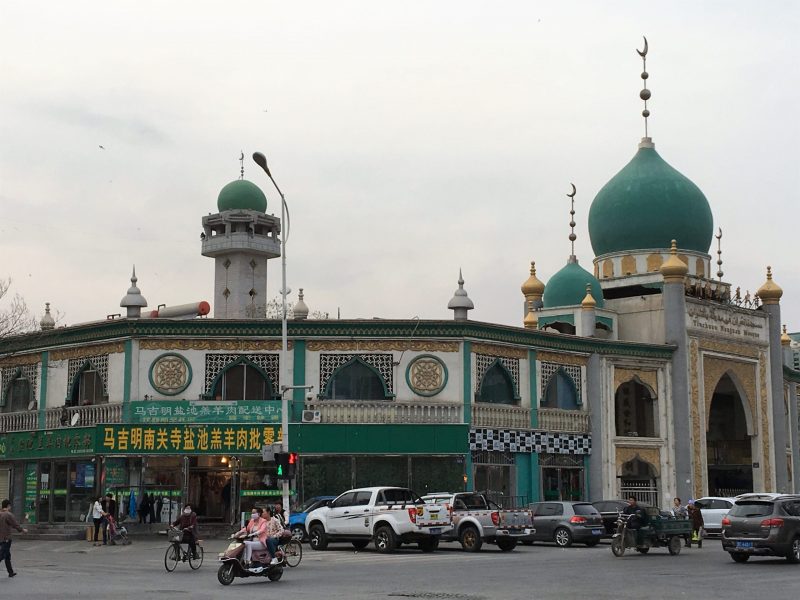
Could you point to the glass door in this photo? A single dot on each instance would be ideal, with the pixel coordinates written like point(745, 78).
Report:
point(81, 489)
point(562, 483)
point(59, 492)
point(43, 506)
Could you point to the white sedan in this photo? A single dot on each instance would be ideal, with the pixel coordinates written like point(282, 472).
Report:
point(713, 508)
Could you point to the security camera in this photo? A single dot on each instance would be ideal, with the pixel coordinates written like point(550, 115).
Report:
point(309, 397)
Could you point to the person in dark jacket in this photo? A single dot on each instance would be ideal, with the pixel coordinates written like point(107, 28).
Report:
point(188, 523)
point(696, 517)
point(110, 505)
point(7, 523)
point(144, 508)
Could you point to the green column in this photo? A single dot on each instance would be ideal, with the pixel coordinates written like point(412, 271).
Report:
point(524, 476)
point(126, 386)
point(43, 391)
point(299, 378)
point(467, 369)
point(536, 479)
point(532, 389)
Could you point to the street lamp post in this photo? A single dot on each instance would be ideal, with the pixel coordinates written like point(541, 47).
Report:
point(261, 161)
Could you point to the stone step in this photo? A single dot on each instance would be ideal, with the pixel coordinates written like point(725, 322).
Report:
point(51, 537)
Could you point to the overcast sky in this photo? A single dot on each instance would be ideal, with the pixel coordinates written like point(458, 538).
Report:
point(410, 138)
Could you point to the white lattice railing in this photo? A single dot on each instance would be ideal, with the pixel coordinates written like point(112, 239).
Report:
point(558, 419)
point(500, 415)
point(19, 421)
point(355, 411)
point(89, 415)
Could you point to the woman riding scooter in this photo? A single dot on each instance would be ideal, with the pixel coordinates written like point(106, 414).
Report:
point(257, 525)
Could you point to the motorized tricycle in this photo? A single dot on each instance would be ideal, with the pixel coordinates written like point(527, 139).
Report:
point(260, 565)
point(656, 531)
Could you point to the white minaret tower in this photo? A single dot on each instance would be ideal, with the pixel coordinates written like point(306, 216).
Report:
point(241, 238)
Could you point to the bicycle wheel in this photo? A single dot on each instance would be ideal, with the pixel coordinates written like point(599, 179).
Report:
point(196, 562)
point(293, 553)
point(172, 557)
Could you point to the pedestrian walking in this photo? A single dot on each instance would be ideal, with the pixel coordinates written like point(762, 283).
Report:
point(99, 518)
point(144, 508)
point(679, 511)
point(7, 523)
point(696, 518)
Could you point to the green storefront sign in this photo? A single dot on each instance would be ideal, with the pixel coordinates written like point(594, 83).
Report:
point(206, 411)
point(227, 438)
point(51, 443)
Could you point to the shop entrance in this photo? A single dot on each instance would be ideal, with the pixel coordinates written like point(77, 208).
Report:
point(210, 483)
point(562, 477)
point(494, 475)
point(65, 490)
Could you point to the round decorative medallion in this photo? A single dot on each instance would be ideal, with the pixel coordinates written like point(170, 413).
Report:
point(170, 374)
point(426, 375)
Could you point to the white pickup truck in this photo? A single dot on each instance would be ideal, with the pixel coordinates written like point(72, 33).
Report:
point(388, 516)
point(477, 520)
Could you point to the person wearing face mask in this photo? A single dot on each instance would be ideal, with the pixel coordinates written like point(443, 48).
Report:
point(187, 521)
point(257, 525)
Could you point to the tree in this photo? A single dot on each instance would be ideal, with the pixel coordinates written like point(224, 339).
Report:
point(15, 318)
point(275, 310)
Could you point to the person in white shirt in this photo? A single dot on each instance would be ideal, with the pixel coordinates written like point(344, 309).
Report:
point(99, 518)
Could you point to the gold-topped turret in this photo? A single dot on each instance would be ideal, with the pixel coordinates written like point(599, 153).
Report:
point(588, 303)
point(674, 269)
point(533, 288)
point(770, 292)
point(785, 339)
point(530, 321)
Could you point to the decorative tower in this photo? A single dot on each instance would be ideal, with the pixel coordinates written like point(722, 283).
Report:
point(460, 303)
point(48, 322)
point(241, 238)
point(300, 309)
point(133, 301)
point(588, 313)
point(532, 289)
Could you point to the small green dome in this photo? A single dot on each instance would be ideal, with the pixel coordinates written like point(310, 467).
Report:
point(647, 205)
point(242, 195)
point(568, 287)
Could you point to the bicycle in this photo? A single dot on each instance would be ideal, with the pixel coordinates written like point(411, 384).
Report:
point(175, 552)
point(292, 552)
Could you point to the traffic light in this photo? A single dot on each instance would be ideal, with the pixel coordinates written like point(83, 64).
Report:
point(282, 465)
point(291, 471)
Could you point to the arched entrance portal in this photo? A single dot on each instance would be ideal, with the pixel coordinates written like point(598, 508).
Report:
point(728, 447)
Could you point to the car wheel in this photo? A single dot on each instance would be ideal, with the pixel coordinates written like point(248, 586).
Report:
point(507, 545)
point(428, 545)
point(794, 552)
point(562, 537)
point(617, 546)
point(385, 539)
point(674, 545)
point(360, 544)
point(740, 557)
point(298, 533)
point(470, 539)
point(317, 538)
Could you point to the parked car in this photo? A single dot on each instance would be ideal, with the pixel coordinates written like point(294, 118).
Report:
point(297, 520)
point(763, 526)
point(567, 522)
point(713, 508)
point(609, 511)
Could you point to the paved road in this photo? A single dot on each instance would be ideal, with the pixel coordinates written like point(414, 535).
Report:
point(76, 569)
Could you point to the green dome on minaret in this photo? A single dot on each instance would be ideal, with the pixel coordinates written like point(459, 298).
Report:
point(242, 195)
point(568, 287)
point(647, 205)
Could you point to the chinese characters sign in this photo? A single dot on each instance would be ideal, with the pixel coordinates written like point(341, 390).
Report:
point(205, 411)
point(185, 439)
point(57, 442)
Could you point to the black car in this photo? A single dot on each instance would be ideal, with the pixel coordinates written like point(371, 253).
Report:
point(566, 522)
point(609, 510)
point(763, 526)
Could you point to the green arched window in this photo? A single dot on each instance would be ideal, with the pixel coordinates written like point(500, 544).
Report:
point(497, 386)
point(560, 392)
point(88, 388)
point(17, 395)
point(356, 380)
point(243, 381)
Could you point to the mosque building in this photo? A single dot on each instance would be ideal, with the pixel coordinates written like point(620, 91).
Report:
point(644, 374)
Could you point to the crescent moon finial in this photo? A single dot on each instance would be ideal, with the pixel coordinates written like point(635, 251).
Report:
point(574, 191)
point(643, 53)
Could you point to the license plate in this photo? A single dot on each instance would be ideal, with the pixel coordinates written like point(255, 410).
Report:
point(435, 530)
point(597, 532)
point(744, 544)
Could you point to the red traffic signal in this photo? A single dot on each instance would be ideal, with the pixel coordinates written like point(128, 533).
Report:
point(293, 458)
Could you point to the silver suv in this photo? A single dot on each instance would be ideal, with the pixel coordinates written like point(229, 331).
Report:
point(763, 525)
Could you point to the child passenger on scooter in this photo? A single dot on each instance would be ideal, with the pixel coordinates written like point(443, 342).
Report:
point(274, 531)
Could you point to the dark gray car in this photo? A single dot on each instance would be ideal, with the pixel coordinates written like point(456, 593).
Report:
point(763, 526)
point(567, 522)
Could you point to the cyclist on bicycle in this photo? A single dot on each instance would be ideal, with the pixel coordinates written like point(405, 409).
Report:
point(187, 521)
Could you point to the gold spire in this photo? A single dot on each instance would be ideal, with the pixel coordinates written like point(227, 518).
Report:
point(674, 269)
point(533, 288)
point(785, 339)
point(770, 292)
point(530, 321)
point(588, 302)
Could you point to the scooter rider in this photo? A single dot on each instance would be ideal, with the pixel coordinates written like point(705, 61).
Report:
point(188, 522)
point(257, 525)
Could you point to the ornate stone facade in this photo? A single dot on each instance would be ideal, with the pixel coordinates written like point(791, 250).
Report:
point(88, 351)
point(426, 375)
point(242, 345)
point(382, 346)
point(649, 454)
point(648, 377)
point(383, 363)
point(497, 350)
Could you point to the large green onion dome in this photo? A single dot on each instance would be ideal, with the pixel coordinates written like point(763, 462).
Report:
point(568, 287)
point(648, 204)
point(241, 195)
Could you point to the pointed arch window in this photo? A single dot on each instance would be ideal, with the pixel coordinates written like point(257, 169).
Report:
point(561, 393)
point(497, 386)
point(18, 394)
point(635, 410)
point(243, 381)
point(356, 380)
point(88, 388)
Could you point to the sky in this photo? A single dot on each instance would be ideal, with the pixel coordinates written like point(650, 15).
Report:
point(411, 139)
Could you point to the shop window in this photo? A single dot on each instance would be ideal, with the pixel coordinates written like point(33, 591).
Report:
point(89, 389)
point(560, 392)
point(18, 395)
point(243, 381)
point(635, 410)
point(356, 380)
point(497, 387)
